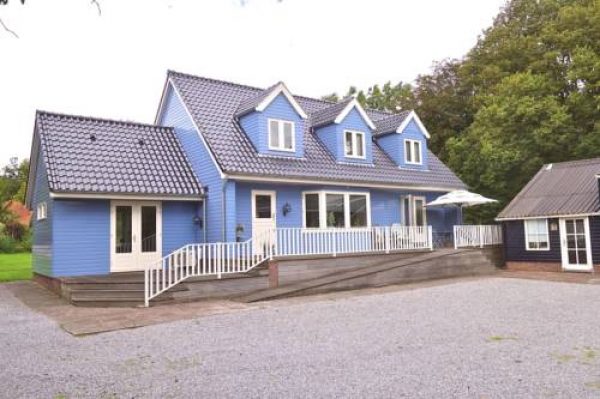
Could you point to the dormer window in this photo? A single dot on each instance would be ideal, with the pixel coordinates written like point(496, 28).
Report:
point(354, 144)
point(281, 135)
point(412, 152)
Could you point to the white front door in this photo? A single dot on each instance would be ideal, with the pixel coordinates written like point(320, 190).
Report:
point(263, 219)
point(135, 235)
point(575, 244)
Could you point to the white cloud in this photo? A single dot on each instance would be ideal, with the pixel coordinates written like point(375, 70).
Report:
point(68, 59)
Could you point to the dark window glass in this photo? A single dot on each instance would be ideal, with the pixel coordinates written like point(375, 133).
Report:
point(417, 151)
point(406, 211)
point(348, 141)
point(123, 234)
point(312, 210)
point(288, 136)
point(148, 229)
point(358, 211)
point(274, 133)
point(335, 210)
point(263, 206)
point(419, 213)
point(582, 257)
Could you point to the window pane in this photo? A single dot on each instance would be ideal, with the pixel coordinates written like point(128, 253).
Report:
point(287, 136)
point(312, 210)
point(358, 211)
point(417, 151)
point(406, 211)
point(274, 134)
point(123, 234)
point(573, 257)
point(408, 151)
point(419, 213)
point(263, 206)
point(360, 145)
point(335, 210)
point(582, 257)
point(570, 226)
point(348, 143)
point(148, 229)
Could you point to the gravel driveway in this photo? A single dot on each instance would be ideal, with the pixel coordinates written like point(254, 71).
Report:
point(483, 339)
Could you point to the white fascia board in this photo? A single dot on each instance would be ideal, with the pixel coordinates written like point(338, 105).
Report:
point(354, 104)
point(288, 180)
point(281, 89)
point(132, 197)
point(413, 117)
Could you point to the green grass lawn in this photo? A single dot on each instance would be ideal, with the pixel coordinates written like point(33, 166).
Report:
point(15, 267)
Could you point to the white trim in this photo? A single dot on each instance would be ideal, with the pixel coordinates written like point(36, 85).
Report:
point(280, 133)
point(208, 149)
point(589, 266)
point(413, 117)
point(281, 88)
point(527, 247)
point(354, 141)
point(41, 212)
point(290, 180)
point(352, 104)
point(139, 258)
point(124, 197)
point(577, 215)
point(323, 208)
point(411, 143)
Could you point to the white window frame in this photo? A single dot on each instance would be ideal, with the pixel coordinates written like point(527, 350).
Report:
point(354, 137)
point(280, 130)
point(323, 208)
point(410, 143)
point(41, 211)
point(527, 247)
point(410, 220)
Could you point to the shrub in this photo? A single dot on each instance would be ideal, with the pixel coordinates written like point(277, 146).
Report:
point(8, 244)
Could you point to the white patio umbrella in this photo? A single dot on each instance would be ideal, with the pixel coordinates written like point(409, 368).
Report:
point(460, 198)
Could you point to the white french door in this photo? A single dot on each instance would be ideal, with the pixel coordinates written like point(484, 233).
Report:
point(263, 219)
point(575, 244)
point(135, 234)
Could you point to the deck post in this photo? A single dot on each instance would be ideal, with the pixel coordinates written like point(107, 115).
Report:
point(146, 288)
point(430, 237)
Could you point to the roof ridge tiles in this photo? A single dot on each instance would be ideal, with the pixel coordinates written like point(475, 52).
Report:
point(42, 113)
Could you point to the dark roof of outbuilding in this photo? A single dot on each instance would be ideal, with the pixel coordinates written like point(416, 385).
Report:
point(213, 105)
point(101, 156)
point(567, 188)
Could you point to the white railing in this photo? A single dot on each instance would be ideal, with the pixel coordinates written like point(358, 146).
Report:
point(477, 235)
point(216, 259)
point(193, 260)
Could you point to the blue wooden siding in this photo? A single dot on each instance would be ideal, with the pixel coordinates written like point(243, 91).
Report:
point(515, 248)
point(81, 232)
point(393, 145)
point(255, 126)
point(175, 115)
point(332, 136)
point(41, 258)
point(178, 228)
point(385, 206)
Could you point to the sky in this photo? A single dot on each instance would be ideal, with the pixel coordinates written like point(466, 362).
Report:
point(71, 58)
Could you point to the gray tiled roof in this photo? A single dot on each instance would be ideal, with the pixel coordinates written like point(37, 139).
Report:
point(567, 188)
point(251, 103)
point(390, 124)
point(90, 155)
point(328, 114)
point(214, 103)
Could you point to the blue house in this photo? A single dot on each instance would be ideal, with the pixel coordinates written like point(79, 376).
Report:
point(226, 163)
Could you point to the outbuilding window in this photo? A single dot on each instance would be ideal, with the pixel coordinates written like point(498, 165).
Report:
point(536, 235)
